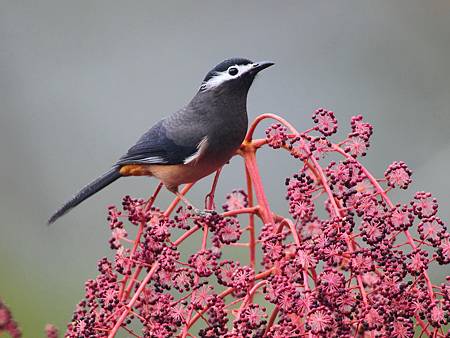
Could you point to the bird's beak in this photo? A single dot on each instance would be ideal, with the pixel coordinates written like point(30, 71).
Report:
point(259, 66)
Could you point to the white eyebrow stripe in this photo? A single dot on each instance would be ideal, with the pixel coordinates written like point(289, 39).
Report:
point(200, 149)
point(224, 76)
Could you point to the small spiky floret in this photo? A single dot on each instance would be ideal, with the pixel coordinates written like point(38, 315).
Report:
point(7, 323)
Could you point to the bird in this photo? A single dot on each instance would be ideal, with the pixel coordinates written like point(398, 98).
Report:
point(193, 142)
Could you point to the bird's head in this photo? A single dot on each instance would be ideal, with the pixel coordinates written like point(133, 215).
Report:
point(233, 74)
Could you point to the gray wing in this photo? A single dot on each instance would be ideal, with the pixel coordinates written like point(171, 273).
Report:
point(173, 140)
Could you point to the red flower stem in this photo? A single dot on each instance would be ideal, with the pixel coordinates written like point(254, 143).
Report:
point(133, 300)
point(251, 222)
point(153, 197)
point(293, 231)
point(325, 185)
point(383, 194)
point(258, 143)
point(424, 327)
point(250, 294)
point(186, 235)
point(202, 317)
point(136, 274)
point(248, 151)
point(250, 210)
point(261, 117)
point(250, 163)
point(314, 275)
point(209, 199)
point(272, 318)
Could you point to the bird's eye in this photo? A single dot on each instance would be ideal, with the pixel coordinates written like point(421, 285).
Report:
point(233, 71)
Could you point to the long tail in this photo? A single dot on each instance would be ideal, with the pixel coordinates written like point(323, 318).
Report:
point(89, 190)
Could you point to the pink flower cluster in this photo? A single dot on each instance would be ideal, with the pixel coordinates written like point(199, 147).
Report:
point(10, 326)
point(344, 261)
point(7, 323)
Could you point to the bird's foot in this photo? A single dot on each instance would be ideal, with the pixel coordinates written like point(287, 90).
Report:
point(193, 210)
point(203, 213)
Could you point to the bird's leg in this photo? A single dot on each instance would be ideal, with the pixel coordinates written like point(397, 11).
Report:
point(209, 199)
point(151, 200)
point(186, 201)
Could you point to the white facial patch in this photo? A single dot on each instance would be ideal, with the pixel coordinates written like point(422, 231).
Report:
point(221, 77)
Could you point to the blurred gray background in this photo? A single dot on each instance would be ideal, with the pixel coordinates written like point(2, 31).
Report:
point(81, 80)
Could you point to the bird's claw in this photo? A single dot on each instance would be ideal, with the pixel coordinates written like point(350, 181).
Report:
point(203, 213)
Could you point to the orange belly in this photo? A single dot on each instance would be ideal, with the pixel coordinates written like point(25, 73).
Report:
point(172, 175)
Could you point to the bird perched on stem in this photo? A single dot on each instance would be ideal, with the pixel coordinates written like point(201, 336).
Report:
point(193, 142)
